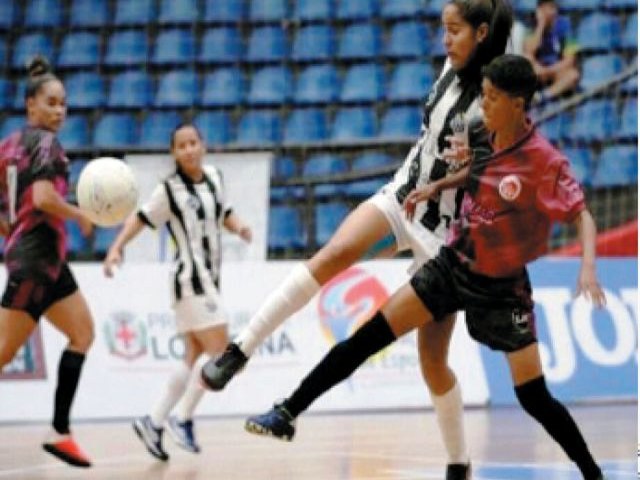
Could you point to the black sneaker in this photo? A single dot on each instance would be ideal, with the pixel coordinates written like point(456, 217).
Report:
point(217, 373)
point(151, 437)
point(458, 471)
point(277, 422)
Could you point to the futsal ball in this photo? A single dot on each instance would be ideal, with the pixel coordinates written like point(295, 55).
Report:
point(107, 191)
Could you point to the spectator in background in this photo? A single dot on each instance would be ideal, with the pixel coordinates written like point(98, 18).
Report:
point(552, 51)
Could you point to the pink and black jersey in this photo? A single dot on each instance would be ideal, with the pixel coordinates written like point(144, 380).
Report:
point(36, 245)
point(512, 198)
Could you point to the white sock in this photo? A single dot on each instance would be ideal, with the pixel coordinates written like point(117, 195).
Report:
point(290, 296)
point(174, 390)
point(193, 393)
point(450, 413)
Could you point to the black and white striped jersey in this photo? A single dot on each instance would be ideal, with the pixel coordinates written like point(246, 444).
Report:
point(425, 162)
point(194, 214)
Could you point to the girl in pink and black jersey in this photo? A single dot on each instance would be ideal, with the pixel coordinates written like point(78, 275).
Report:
point(511, 199)
point(33, 185)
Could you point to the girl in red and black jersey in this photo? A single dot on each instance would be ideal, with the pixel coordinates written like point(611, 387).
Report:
point(33, 185)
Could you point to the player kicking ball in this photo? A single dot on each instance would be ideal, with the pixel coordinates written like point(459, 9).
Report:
point(511, 199)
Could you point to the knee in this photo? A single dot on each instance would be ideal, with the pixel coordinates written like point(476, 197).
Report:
point(82, 337)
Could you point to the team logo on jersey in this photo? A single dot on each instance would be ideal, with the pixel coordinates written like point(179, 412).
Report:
point(510, 187)
point(193, 202)
point(126, 337)
point(521, 320)
point(347, 301)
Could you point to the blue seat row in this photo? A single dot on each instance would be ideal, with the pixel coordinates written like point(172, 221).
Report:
point(615, 166)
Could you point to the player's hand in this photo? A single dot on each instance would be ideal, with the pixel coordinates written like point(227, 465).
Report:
point(86, 225)
point(111, 262)
point(458, 154)
point(420, 194)
point(589, 287)
point(245, 234)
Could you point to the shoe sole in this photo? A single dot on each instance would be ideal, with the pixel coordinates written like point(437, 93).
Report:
point(141, 435)
point(258, 429)
point(65, 457)
point(176, 439)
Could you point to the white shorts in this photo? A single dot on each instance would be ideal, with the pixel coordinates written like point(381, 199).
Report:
point(199, 312)
point(410, 235)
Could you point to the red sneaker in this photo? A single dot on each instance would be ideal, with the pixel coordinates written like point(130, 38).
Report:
point(66, 449)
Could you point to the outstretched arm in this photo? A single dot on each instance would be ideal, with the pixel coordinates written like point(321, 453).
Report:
point(132, 227)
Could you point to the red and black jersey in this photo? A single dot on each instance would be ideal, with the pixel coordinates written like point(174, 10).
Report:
point(36, 244)
point(511, 201)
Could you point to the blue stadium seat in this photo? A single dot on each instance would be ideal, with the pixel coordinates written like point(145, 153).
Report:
point(313, 10)
point(329, 216)
point(617, 166)
point(621, 4)
point(363, 84)
point(524, 7)
point(408, 40)
point(174, 47)
point(115, 130)
point(215, 127)
point(270, 86)
point(7, 14)
point(79, 49)
point(18, 95)
point(11, 124)
point(582, 5)
point(366, 162)
point(630, 86)
point(603, 121)
point(556, 128)
point(75, 168)
point(3, 53)
point(370, 161)
point(176, 13)
point(357, 9)
point(402, 8)
point(630, 35)
point(134, 12)
point(360, 41)
point(258, 127)
point(43, 13)
point(401, 122)
point(364, 188)
point(286, 229)
point(283, 168)
point(306, 125)
point(581, 163)
point(268, 10)
point(89, 13)
point(599, 32)
point(127, 48)
point(130, 89)
point(5, 93)
point(85, 90)
point(224, 11)
point(75, 132)
point(317, 84)
point(76, 242)
point(103, 237)
point(221, 45)
point(267, 44)
point(434, 7)
point(223, 88)
point(437, 46)
point(157, 128)
point(313, 43)
point(322, 165)
point(629, 128)
point(354, 123)
point(410, 82)
point(178, 88)
point(600, 68)
point(29, 45)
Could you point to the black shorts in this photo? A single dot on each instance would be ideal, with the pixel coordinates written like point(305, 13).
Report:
point(34, 295)
point(499, 311)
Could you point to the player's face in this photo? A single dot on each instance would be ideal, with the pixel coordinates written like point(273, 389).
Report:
point(48, 108)
point(500, 110)
point(460, 38)
point(188, 150)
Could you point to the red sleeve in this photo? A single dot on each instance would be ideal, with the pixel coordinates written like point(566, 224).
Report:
point(559, 195)
point(44, 157)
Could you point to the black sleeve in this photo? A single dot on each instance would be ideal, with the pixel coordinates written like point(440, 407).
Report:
point(46, 157)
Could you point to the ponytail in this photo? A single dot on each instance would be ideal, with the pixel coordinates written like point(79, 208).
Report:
point(39, 72)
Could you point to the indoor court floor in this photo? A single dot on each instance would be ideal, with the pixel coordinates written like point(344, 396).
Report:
point(505, 445)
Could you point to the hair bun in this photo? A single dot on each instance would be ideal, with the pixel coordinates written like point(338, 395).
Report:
point(38, 66)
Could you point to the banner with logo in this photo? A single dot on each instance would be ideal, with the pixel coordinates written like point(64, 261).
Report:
point(242, 173)
point(586, 354)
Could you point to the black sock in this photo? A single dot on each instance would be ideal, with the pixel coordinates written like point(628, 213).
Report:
point(341, 361)
point(68, 376)
point(537, 401)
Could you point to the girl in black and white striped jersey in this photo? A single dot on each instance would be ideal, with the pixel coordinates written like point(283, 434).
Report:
point(192, 203)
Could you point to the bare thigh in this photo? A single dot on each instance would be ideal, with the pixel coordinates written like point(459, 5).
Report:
point(361, 230)
point(15, 328)
point(71, 315)
point(192, 348)
point(525, 364)
point(405, 311)
point(212, 340)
